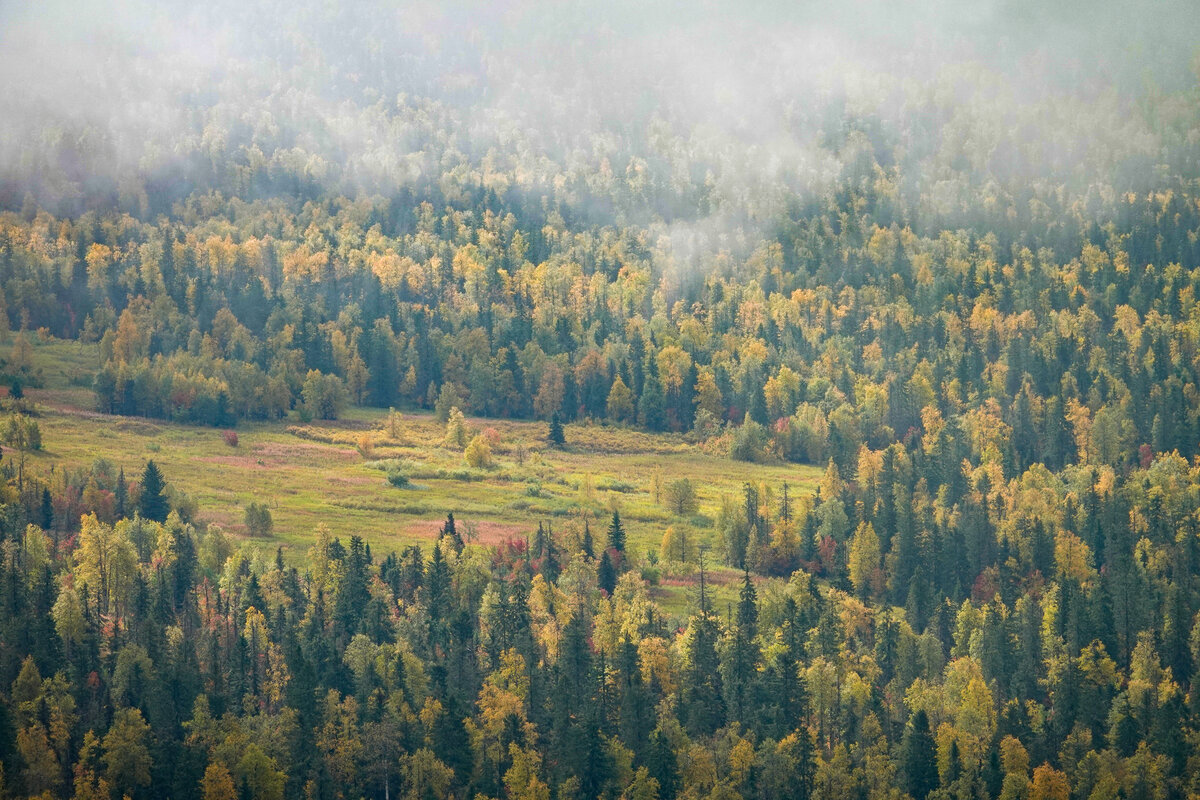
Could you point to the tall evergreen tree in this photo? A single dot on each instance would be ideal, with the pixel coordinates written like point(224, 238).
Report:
point(587, 545)
point(437, 599)
point(635, 709)
point(451, 529)
point(606, 573)
point(121, 495)
point(616, 533)
point(152, 503)
point(652, 405)
point(703, 701)
point(742, 667)
point(663, 765)
point(550, 568)
point(47, 512)
point(352, 598)
point(919, 757)
point(556, 435)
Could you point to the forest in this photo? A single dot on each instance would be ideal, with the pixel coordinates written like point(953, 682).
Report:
point(948, 258)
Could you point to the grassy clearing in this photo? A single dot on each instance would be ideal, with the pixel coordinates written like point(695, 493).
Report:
point(314, 473)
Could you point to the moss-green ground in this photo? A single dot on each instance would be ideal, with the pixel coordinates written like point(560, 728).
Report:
point(314, 473)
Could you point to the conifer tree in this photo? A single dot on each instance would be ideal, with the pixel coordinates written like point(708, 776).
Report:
point(616, 533)
point(539, 541)
point(652, 405)
point(437, 597)
point(47, 510)
point(606, 574)
point(550, 567)
point(556, 435)
point(663, 765)
point(704, 706)
point(451, 529)
point(353, 595)
point(635, 711)
point(588, 547)
point(744, 654)
point(122, 494)
point(152, 504)
point(919, 757)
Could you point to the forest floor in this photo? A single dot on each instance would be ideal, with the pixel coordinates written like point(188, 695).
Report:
point(314, 473)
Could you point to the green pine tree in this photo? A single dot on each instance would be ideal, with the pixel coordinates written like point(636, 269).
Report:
point(616, 533)
point(652, 405)
point(122, 495)
point(919, 757)
point(152, 504)
point(451, 530)
point(703, 702)
point(556, 435)
point(589, 549)
point(606, 574)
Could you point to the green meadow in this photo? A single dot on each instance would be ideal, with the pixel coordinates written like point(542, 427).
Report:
point(335, 473)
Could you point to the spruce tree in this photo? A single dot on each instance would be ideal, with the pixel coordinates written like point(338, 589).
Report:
point(353, 594)
point(652, 405)
point(539, 541)
point(704, 706)
point(437, 598)
point(122, 494)
point(47, 510)
point(550, 566)
point(451, 530)
point(955, 768)
point(153, 502)
point(635, 708)
point(744, 655)
point(758, 406)
point(589, 549)
point(663, 765)
point(616, 533)
point(606, 574)
point(919, 757)
point(556, 435)
point(786, 703)
point(1024, 424)
point(252, 594)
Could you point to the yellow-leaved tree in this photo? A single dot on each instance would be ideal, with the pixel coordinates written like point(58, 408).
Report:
point(105, 562)
point(864, 556)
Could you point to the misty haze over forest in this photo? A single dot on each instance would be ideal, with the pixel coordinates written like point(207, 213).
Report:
point(725, 111)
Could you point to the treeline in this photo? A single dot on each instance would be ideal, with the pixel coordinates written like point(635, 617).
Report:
point(826, 337)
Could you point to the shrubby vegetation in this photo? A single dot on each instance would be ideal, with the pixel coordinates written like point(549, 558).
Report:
point(21, 432)
point(258, 520)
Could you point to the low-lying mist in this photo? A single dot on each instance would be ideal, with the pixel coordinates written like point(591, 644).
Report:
point(709, 118)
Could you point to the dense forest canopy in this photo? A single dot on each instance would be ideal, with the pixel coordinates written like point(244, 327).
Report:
point(949, 254)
